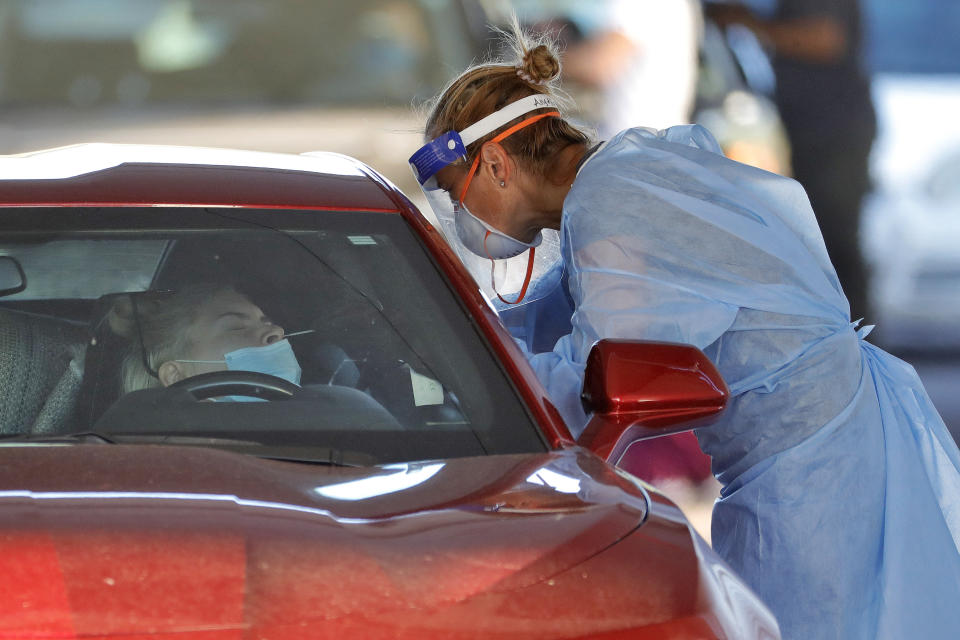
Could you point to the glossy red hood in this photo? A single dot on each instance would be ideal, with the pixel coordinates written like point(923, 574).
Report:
point(102, 541)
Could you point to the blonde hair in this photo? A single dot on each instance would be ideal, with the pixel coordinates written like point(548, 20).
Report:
point(485, 88)
point(156, 326)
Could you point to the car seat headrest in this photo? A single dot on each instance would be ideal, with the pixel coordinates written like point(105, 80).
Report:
point(41, 369)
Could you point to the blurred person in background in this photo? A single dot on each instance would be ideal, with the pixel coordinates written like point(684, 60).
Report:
point(627, 63)
point(823, 94)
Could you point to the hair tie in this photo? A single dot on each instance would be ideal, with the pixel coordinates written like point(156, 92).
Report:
point(528, 78)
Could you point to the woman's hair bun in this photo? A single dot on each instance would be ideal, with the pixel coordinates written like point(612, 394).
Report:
point(539, 65)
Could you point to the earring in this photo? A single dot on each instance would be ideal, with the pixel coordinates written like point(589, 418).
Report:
point(503, 183)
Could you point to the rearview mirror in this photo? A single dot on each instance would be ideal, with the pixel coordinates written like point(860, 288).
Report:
point(637, 390)
point(12, 279)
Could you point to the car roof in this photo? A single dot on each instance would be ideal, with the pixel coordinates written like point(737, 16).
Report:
point(125, 174)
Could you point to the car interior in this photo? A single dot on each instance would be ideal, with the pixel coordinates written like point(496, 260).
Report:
point(383, 352)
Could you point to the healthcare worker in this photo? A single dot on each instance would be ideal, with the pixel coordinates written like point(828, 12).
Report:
point(840, 500)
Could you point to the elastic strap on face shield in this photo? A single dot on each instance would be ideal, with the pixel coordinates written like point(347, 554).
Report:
point(500, 136)
point(497, 119)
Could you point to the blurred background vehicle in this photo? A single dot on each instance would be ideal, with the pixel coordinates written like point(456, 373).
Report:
point(911, 220)
point(911, 230)
point(270, 75)
point(734, 86)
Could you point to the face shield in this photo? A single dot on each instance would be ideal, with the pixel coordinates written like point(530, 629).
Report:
point(501, 265)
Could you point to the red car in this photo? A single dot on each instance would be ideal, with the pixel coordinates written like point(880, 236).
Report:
point(398, 473)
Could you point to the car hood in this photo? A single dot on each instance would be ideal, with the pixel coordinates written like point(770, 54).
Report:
point(124, 540)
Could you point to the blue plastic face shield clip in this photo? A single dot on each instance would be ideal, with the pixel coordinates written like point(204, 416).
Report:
point(435, 155)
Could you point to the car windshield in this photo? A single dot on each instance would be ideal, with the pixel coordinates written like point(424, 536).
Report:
point(918, 36)
point(135, 52)
point(146, 325)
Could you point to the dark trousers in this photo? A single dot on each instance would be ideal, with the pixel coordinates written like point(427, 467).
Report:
point(834, 171)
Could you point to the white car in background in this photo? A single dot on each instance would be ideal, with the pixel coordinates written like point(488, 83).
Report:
point(911, 223)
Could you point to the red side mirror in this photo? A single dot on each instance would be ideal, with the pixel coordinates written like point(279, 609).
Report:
point(639, 390)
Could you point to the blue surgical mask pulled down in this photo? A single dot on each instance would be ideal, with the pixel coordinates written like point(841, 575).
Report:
point(275, 359)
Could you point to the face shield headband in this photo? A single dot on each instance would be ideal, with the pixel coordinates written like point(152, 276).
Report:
point(452, 146)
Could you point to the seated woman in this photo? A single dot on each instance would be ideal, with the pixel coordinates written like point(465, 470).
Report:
point(198, 329)
point(205, 328)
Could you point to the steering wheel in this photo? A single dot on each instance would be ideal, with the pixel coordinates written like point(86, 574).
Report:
point(237, 383)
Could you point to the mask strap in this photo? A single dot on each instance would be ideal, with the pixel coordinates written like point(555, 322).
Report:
point(526, 278)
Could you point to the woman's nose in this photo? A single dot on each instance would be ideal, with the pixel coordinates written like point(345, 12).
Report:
point(272, 334)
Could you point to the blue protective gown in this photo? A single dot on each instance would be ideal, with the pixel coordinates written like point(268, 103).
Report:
point(841, 491)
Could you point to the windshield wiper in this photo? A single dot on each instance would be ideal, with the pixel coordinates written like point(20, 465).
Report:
point(92, 437)
point(324, 455)
point(84, 437)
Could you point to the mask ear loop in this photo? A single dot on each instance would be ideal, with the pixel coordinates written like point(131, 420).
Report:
point(463, 192)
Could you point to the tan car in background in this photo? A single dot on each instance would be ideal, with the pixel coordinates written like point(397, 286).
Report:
point(271, 75)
